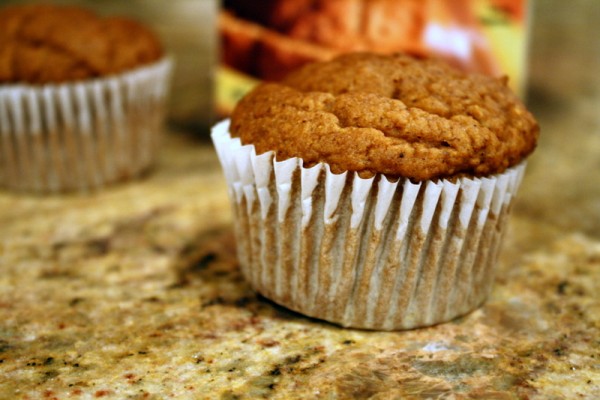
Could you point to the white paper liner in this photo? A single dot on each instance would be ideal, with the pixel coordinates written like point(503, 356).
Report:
point(83, 135)
point(365, 253)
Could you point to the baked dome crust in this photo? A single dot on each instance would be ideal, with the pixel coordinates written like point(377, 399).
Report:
point(52, 44)
point(395, 115)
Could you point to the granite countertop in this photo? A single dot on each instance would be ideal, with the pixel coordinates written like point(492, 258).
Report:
point(135, 292)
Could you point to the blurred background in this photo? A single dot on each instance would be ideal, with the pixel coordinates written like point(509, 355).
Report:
point(564, 94)
point(186, 29)
point(563, 91)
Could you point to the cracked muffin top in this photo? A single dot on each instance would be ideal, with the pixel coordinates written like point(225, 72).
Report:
point(52, 44)
point(395, 115)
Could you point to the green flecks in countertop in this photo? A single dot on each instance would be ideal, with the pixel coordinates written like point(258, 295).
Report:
point(456, 369)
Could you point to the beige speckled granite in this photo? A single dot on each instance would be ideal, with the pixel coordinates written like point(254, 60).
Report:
point(135, 292)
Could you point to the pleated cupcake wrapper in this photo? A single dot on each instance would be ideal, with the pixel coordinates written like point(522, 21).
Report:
point(81, 136)
point(366, 253)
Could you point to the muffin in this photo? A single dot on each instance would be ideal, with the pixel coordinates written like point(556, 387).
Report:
point(81, 98)
point(372, 191)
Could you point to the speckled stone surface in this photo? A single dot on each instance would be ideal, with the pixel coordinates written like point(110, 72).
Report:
point(135, 292)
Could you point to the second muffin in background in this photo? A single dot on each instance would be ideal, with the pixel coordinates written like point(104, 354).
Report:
point(82, 98)
point(372, 191)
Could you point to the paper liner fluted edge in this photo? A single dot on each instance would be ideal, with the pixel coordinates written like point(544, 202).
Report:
point(82, 135)
point(364, 253)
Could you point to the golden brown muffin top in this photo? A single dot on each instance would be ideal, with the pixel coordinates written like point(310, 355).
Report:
point(394, 115)
point(51, 44)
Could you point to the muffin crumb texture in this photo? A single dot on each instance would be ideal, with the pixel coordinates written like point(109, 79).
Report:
point(395, 115)
point(53, 44)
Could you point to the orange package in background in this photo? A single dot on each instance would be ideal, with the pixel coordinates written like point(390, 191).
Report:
point(264, 40)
